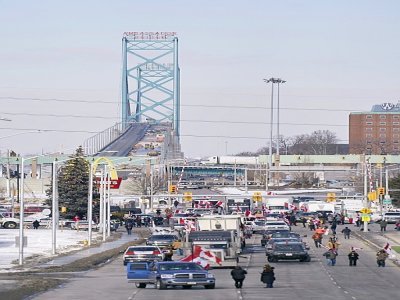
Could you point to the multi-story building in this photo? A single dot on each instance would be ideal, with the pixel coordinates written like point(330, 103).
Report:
point(377, 131)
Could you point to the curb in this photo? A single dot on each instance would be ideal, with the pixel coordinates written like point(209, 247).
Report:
point(369, 243)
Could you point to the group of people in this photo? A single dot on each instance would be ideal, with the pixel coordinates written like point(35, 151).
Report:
point(267, 276)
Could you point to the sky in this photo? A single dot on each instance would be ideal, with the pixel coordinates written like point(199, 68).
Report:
point(60, 68)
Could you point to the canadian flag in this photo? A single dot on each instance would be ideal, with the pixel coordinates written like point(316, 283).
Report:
point(388, 250)
point(202, 257)
point(219, 203)
point(189, 225)
point(303, 208)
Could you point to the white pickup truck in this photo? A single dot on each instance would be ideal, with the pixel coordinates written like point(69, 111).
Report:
point(8, 222)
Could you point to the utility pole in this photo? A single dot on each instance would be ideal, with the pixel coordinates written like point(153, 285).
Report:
point(365, 193)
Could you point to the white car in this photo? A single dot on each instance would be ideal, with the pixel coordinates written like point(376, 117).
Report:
point(276, 225)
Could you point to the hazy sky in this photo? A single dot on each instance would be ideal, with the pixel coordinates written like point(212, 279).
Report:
point(337, 57)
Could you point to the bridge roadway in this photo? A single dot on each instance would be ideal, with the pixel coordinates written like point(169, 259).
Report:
point(295, 280)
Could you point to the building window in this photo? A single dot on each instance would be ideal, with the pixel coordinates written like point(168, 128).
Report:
point(369, 142)
point(396, 136)
point(369, 123)
point(396, 117)
point(395, 142)
point(382, 123)
point(382, 135)
point(368, 116)
point(396, 123)
point(368, 129)
point(368, 135)
point(382, 116)
point(396, 129)
point(382, 142)
point(382, 129)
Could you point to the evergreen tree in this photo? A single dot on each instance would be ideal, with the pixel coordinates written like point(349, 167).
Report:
point(394, 184)
point(73, 185)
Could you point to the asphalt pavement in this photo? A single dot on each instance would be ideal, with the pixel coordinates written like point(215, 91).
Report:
point(295, 280)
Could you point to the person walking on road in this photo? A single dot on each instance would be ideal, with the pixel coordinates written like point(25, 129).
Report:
point(383, 225)
point(238, 275)
point(334, 226)
point(353, 257)
point(346, 232)
point(268, 276)
point(129, 227)
point(317, 239)
point(381, 256)
point(330, 256)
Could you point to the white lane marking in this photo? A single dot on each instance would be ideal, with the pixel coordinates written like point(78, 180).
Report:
point(346, 292)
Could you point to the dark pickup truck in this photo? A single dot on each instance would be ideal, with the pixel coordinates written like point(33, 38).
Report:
point(171, 273)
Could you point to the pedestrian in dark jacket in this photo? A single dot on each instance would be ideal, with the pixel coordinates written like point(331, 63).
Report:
point(129, 227)
point(346, 232)
point(238, 275)
point(268, 276)
point(353, 257)
point(36, 224)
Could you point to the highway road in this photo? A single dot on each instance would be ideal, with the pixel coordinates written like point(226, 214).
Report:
point(295, 280)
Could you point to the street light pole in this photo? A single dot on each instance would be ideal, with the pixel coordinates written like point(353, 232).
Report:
point(90, 204)
point(54, 208)
point(278, 81)
point(21, 216)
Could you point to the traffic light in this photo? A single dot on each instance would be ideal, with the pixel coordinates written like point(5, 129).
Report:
point(381, 191)
point(187, 196)
point(172, 189)
point(330, 197)
point(257, 196)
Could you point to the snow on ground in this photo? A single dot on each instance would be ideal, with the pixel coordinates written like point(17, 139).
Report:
point(39, 243)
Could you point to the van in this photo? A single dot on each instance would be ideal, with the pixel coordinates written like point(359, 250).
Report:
point(391, 217)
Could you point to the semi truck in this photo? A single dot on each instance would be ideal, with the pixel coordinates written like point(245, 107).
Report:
point(278, 204)
point(222, 235)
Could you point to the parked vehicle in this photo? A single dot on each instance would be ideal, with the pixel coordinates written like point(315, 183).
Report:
point(173, 273)
point(142, 253)
point(8, 222)
point(391, 216)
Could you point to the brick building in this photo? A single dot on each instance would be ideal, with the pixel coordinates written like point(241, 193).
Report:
point(375, 132)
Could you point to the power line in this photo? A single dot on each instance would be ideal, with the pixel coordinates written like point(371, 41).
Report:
point(182, 135)
point(184, 105)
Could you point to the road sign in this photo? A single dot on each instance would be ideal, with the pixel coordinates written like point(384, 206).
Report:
point(387, 201)
point(114, 183)
point(365, 210)
point(366, 218)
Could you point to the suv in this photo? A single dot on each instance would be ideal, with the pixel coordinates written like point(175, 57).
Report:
point(391, 216)
point(288, 251)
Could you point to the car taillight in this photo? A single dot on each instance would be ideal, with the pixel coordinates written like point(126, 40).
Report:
point(156, 252)
point(130, 253)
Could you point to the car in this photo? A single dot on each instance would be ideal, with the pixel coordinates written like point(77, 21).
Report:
point(268, 234)
point(142, 253)
point(276, 225)
point(173, 273)
point(391, 217)
point(272, 241)
point(288, 251)
point(162, 240)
